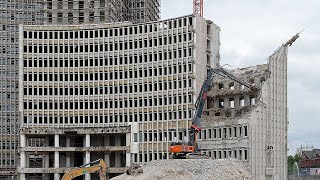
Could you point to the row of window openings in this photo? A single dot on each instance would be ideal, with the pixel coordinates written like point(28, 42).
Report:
point(252, 101)
point(75, 141)
point(152, 156)
point(107, 90)
point(161, 136)
point(232, 87)
point(134, 59)
point(80, 17)
point(224, 133)
point(111, 46)
point(109, 104)
point(8, 130)
point(237, 154)
point(9, 145)
point(8, 161)
point(100, 48)
point(107, 32)
point(109, 76)
point(124, 118)
point(80, 4)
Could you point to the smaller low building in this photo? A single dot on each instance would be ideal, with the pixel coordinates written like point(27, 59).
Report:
point(310, 161)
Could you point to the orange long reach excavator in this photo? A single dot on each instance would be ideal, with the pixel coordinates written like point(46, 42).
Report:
point(182, 150)
point(95, 166)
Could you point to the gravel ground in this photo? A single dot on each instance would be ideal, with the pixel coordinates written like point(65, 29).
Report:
point(191, 169)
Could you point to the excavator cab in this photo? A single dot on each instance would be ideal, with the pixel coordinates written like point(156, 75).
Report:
point(179, 150)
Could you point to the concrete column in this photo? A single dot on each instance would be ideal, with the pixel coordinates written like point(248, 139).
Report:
point(56, 176)
point(46, 165)
point(87, 160)
point(46, 141)
point(56, 140)
point(23, 177)
point(87, 144)
point(46, 159)
point(236, 101)
point(56, 156)
point(23, 162)
point(117, 155)
point(106, 154)
point(23, 143)
point(68, 154)
point(226, 103)
point(128, 154)
point(246, 100)
point(216, 103)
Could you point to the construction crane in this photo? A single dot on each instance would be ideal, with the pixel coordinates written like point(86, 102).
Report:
point(198, 7)
point(95, 166)
point(189, 150)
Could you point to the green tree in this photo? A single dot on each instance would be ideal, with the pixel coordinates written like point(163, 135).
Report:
point(297, 158)
point(291, 161)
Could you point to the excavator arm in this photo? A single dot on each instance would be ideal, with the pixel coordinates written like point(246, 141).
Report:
point(195, 127)
point(92, 167)
point(180, 150)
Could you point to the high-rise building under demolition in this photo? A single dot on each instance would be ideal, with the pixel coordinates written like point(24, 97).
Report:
point(137, 90)
point(250, 125)
point(15, 12)
point(122, 92)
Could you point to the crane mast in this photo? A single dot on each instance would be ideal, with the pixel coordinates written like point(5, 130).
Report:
point(198, 7)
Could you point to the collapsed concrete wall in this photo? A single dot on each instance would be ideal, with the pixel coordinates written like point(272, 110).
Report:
point(250, 125)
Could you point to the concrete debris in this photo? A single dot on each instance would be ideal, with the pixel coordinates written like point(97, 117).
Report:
point(191, 169)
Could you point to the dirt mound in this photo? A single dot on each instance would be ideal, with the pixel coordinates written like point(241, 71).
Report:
point(191, 169)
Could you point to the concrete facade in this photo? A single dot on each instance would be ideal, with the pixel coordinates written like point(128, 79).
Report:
point(15, 12)
point(144, 10)
point(250, 125)
point(81, 11)
point(140, 77)
point(12, 13)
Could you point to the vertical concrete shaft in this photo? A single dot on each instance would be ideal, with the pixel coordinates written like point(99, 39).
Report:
point(87, 144)
point(117, 154)
point(107, 154)
point(68, 154)
point(23, 163)
point(128, 155)
point(56, 156)
point(23, 176)
point(23, 141)
point(46, 159)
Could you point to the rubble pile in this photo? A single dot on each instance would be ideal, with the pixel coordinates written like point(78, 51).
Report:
point(191, 169)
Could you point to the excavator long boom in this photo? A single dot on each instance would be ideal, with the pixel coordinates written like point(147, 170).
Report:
point(181, 150)
point(195, 127)
point(95, 166)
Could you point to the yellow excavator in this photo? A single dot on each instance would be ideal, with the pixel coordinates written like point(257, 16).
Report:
point(92, 167)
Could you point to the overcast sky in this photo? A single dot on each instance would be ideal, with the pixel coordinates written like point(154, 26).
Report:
point(251, 30)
